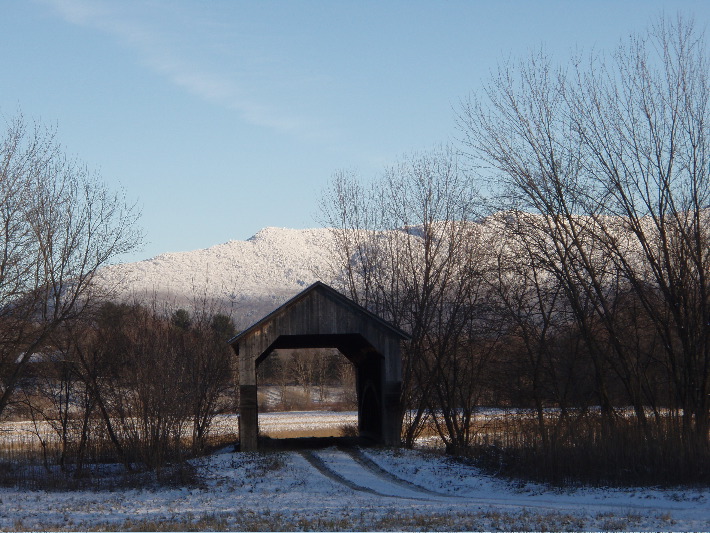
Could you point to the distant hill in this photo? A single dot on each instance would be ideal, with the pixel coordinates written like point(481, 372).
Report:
point(248, 279)
point(244, 278)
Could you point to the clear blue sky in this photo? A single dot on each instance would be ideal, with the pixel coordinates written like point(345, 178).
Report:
point(223, 117)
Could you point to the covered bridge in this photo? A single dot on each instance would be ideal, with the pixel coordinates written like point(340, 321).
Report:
point(321, 317)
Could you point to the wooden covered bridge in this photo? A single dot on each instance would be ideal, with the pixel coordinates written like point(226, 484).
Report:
point(321, 317)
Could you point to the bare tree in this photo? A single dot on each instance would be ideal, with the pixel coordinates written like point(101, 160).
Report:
point(345, 379)
point(538, 361)
point(407, 252)
point(303, 365)
point(606, 163)
point(58, 225)
point(643, 125)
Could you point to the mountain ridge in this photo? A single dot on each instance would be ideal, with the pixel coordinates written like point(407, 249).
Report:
point(241, 278)
point(247, 279)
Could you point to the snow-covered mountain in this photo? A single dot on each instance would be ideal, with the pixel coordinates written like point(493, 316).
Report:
point(248, 279)
point(244, 278)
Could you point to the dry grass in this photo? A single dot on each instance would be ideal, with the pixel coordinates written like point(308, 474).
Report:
point(300, 433)
point(587, 451)
point(250, 520)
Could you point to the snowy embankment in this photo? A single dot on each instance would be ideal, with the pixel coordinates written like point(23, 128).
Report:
point(352, 489)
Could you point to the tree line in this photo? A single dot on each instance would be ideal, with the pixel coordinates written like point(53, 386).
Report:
point(557, 257)
point(130, 384)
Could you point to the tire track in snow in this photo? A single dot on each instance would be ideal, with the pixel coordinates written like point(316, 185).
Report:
point(346, 470)
point(354, 470)
point(318, 463)
point(380, 472)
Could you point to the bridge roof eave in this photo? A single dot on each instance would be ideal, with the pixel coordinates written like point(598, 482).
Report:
point(340, 299)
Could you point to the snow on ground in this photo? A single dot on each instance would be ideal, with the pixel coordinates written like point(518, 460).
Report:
point(384, 490)
point(305, 421)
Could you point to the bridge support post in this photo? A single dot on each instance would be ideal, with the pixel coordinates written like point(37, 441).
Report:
point(248, 407)
point(392, 419)
point(248, 418)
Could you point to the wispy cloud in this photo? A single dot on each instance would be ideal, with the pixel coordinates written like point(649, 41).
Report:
point(159, 50)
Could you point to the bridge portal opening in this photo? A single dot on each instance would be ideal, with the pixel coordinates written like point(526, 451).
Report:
point(310, 392)
point(315, 379)
point(351, 357)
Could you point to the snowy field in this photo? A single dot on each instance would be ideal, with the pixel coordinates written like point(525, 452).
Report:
point(332, 489)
